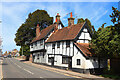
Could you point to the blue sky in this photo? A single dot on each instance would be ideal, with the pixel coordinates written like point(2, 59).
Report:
point(15, 13)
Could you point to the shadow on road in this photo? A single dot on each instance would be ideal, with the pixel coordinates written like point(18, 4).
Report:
point(23, 60)
point(4, 64)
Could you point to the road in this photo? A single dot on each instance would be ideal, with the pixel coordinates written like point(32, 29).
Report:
point(12, 68)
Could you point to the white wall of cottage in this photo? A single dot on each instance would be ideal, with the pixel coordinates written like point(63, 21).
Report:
point(38, 46)
point(84, 63)
point(84, 35)
point(63, 50)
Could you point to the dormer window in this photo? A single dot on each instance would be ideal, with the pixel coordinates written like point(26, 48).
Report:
point(58, 44)
point(53, 46)
point(67, 43)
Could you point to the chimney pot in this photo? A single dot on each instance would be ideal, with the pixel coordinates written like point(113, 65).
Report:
point(71, 20)
point(57, 18)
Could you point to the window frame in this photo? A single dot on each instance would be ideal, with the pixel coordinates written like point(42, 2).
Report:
point(66, 60)
point(36, 43)
point(38, 56)
point(32, 45)
point(58, 44)
point(67, 43)
point(78, 61)
point(53, 45)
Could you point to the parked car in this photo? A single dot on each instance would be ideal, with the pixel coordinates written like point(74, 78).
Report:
point(9, 56)
point(5, 56)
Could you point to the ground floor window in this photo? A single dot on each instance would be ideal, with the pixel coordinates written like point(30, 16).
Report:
point(64, 60)
point(38, 56)
point(78, 61)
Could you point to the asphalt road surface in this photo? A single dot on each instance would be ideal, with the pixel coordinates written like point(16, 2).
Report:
point(12, 68)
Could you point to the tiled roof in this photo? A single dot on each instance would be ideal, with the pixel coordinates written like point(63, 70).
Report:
point(44, 32)
point(66, 33)
point(84, 47)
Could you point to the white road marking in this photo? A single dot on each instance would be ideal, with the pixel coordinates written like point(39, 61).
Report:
point(28, 71)
point(41, 77)
point(23, 69)
point(18, 66)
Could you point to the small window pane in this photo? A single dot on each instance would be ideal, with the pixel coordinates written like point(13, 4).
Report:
point(38, 56)
point(35, 43)
point(58, 44)
point(53, 46)
point(78, 61)
point(67, 43)
point(64, 60)
point(31, 45)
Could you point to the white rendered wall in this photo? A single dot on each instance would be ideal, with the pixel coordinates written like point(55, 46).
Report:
point(85, 63)
point(84, 35)
point(38, 47)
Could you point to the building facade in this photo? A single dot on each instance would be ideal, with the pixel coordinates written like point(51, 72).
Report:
point(67, 47)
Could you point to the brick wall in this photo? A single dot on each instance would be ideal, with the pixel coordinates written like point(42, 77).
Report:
point(30, 59)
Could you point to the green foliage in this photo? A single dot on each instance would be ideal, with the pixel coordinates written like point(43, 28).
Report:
point(106, 41)
point(27, 31)
point(80, 20)
point(88, 22)
point(26, 50)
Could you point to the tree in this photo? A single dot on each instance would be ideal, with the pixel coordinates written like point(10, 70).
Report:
point(88, 22)
point(26, 31)
point(106, 41)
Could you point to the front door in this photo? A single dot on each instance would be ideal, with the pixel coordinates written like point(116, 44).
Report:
point(70, 63)
point(52, 61)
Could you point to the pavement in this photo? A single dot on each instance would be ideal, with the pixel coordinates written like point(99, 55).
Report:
point(1, 59)
point(65, 72)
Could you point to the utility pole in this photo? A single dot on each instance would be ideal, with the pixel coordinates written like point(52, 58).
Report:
point(22, 50)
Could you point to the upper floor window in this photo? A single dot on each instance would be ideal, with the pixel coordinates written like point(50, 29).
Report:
point(62, 44)
point(35, 43)
point(58, 44)
point(41, 42)
point(67, 43)
point(53, 46)
point(32, 45)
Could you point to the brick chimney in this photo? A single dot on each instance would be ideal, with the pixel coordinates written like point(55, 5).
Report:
point(56, 22)
point(37, 30)
point(57, 18)
point(71, 20)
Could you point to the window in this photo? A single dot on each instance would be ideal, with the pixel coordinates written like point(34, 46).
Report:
point(62, 44)
point(64, 60)
point(31, 45)
point(58, 44)
point(53, 46)
point(67, 43)
point(78, 61)
point(38, 56)
point(35, 43)
point(41, 42)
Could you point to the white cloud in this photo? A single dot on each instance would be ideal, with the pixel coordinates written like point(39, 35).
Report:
point(101, 15)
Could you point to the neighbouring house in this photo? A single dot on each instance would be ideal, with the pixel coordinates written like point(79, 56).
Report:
point(15, 52)
point(67, 47)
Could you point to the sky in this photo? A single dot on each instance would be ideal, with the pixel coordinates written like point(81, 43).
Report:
point(13, 14)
